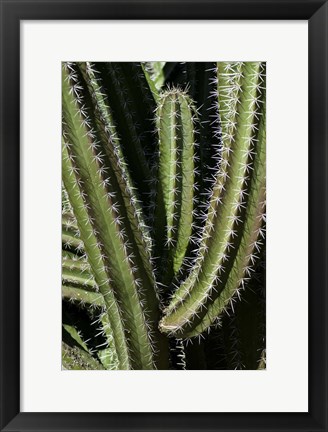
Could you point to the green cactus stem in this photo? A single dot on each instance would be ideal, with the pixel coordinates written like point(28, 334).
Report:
point(82, 296)
point(74, 336)
point(175, 193)
point(154, 72)
point(76, 278)
point(95, 257)
point(75, 358)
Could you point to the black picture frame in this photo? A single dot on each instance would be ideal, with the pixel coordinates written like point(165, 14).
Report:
point(12, 12)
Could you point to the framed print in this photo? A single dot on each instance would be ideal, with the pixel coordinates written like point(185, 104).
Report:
point(142, 286)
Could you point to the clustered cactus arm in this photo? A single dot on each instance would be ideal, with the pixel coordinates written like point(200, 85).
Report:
point(232, 229)
point(175, 193)
point(163, 208)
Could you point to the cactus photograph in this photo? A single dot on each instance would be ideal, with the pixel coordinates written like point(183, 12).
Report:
point(163, 215)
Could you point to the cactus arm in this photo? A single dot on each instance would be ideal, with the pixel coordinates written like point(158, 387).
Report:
point(74, 358)
point(69, 222)
point(70, 234)
point(243, 263)
point(77, 264)
point(82, 295)
point(176, 176)
point(71, 330)
point(136, 230)
point(66, 205)
point(155, 72)
point(76, 278)
point(200, 81)
point(151, 80)
point(222, 236)
point(95, 257)
point(107, 355)
point(168, 162)
point(186, 134)
point(77, 272)
point(70, 241)
point(113, 257)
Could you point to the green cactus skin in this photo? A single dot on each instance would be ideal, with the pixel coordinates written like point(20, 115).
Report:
point(154, 72)
point(75, 336)
point(70, 241)
point(74, 272)
point(200, 81)
point(107, 355)
point(106, 210)
point(175, 194)
point(106, 351)
point(69, 222)
point(234, 222)
point(95, 257)
point(70, 234)
point(79, 264)
point(82, 296)
point(75, 358)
